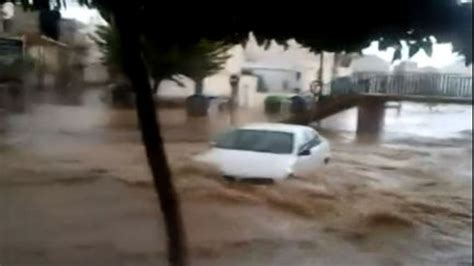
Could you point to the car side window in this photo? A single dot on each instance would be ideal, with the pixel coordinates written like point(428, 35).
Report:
point(310, 140)
point(315, 141)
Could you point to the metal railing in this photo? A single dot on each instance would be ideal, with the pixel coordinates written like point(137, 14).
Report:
point(419, 84)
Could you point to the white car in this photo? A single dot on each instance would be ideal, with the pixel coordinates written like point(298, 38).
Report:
point(268, 151)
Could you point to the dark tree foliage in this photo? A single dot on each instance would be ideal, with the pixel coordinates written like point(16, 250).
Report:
point(195, 61)
point(329, 25)
point(108, 42)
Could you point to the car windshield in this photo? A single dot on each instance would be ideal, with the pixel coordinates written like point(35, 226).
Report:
point(257, 140)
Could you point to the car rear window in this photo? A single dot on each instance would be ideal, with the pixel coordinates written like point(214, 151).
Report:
point(257, 140)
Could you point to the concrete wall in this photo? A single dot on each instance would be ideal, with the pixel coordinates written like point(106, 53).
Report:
point(171, 90)
point(248, 95)
point(217, 86)
point(275, 80)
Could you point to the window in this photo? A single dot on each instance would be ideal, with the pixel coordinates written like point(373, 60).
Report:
point(310, 140)
point(308, 135)
point(257, 140)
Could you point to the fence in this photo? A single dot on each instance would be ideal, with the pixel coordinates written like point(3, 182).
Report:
point(424, 84)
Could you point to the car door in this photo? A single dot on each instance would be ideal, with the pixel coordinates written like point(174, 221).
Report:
point(317, 148)
point(310, 155)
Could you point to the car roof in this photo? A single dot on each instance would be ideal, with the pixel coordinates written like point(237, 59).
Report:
point(276, 127)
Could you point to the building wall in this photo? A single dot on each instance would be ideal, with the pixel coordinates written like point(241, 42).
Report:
point(219, 86)
point(278, 80)
point(216, 86)
point(47, 56)
point(405, 66)
point(73, 33)
point(248, 94)
point(95, 73)
point(25, 22)
point(294, 57)
point(370, 63)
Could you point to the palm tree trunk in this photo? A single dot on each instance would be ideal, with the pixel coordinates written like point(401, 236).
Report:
point(335, 66)
point(321, 71)
point(126, 21)
point(234, 98)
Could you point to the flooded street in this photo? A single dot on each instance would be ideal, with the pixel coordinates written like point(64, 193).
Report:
point(75, 190)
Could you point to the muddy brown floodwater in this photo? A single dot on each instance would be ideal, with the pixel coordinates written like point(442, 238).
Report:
point(75, 190)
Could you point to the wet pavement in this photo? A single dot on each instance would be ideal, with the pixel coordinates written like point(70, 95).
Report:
point(75, 190)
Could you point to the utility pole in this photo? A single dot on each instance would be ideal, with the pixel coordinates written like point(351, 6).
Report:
point(320, 72)
point(234, 97)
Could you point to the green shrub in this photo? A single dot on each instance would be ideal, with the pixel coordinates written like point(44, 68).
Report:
point(273, 103)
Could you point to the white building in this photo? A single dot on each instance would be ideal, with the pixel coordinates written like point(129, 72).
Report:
point(263, 72)
point(458, 68)
point(370, 63)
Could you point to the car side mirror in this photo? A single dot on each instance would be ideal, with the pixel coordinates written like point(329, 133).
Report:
point(304, 152)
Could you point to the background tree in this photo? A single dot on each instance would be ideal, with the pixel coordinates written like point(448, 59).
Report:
point(198, 61)
point(109, 45)
point(361, 22)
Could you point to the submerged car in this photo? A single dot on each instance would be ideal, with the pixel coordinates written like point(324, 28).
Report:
point(268, 151)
